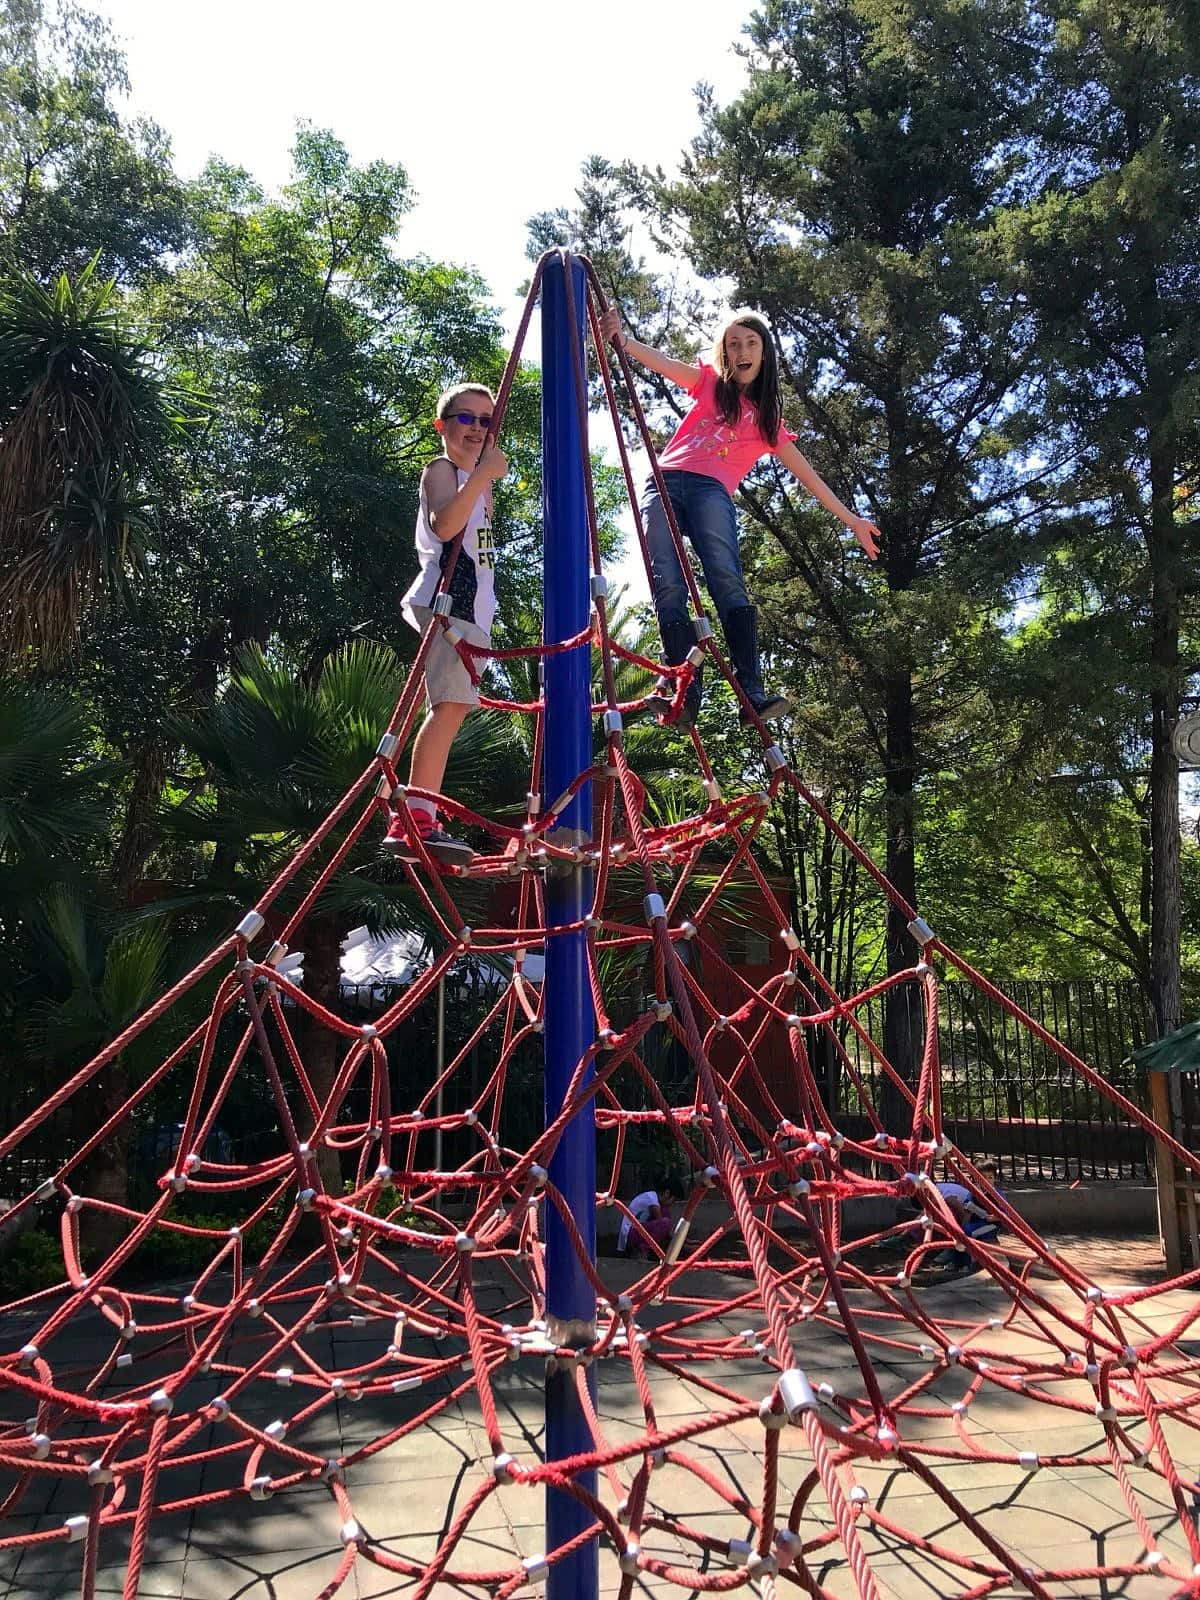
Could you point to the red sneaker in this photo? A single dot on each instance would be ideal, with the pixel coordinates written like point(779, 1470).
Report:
point(446, 851)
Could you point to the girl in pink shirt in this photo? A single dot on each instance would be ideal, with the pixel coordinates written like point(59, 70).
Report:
point(736, 418)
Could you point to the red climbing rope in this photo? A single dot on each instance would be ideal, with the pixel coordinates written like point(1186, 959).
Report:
point(361, 1271)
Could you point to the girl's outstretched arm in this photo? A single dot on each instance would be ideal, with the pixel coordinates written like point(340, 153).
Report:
point(865, 531)
point(679, 372)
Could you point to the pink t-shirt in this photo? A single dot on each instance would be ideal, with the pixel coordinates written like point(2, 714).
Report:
point(704, 443)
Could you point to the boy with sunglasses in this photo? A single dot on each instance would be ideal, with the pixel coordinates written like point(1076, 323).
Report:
point(456, 498)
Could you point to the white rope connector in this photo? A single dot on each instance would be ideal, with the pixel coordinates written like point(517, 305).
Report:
point(771, 1420)
point(921, 932)
point(161, 1402)
point(76, 1526)
point(796, 1394)
point(1030, 1460)
point(305, 1198)
point(687, 930)
point(275, 1430)
point(41, 1446)
point(654, 906)
point(407, 1384)
point(464, 1243)
point(368, 1031)
point(709, 1177)
point(351, 1532)
point(284, 1376)
point(537, 1569)
point(387, 746)
point(887, 1437)
point(29, 1354)
point(612, 723)
point(774, 759)
point(790, 938)
point(859, 1495)
point(712, 789)
point(251, 925)
point(99, 1474)
point(500, 1466)
point(261, 1488)
point(599, 586)
point(739, 1551)
point(628, 1559)
point(47, 1190)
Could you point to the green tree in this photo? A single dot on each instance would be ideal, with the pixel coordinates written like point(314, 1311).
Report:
point(288, 520)
point(1109, 252)
point(75, 178)
point(849, 191)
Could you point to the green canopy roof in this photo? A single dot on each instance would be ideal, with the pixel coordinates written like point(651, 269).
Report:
point(1175, 1052)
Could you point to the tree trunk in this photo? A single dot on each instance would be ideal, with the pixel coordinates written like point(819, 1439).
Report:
point(1164, 775)
point(902, 1015)
point(1160, 399)
point(321, 1049)
point(106, 1173)
point(139, 834)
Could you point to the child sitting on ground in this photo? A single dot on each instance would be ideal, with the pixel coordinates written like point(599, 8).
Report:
point(456, 498)
point(652, 1210)
point(974, 1219)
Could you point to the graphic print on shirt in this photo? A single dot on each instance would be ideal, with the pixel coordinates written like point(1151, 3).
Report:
point(487, 546)
point(464, 580)
point(715, 435)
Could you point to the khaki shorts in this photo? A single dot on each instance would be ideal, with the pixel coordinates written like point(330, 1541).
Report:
point(446, 676)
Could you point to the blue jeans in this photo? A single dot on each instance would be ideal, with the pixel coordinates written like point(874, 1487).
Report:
point(706, 516)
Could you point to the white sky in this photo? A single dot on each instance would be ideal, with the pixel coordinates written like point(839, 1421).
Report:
point(491, 108)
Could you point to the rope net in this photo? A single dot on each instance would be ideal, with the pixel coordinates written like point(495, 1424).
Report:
point(388, 1302)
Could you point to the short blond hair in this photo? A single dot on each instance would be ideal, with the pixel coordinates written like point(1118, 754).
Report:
point(450, 397)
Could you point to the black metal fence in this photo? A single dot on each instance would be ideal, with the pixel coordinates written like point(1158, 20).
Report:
point(1004, 1092)
point(1009, 1095)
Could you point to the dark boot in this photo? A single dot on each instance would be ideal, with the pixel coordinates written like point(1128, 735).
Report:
point(741, 635)
point(678, 639)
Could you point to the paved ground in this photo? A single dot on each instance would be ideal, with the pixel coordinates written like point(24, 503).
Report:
point(1067, 1515)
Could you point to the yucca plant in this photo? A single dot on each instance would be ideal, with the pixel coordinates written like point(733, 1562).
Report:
point(87, 410)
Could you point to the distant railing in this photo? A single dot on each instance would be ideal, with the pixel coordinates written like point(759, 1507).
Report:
point(1006, 1094)
point(1003, 1092)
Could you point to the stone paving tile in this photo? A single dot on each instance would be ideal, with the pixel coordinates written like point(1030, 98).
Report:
point(289, 1547)
point(274, 1575)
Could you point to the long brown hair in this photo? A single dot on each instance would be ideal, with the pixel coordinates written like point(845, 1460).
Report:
point(763, 394)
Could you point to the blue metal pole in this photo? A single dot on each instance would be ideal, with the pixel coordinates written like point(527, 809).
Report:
point(570, 1019)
